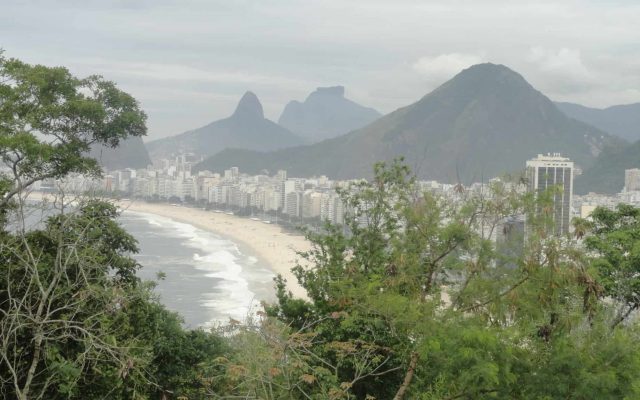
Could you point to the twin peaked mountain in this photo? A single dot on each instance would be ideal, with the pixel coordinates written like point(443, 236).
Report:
point(324, 114)
point(484, 122)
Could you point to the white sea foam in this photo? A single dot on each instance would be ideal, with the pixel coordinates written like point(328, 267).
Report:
point(153, 222)
point(220, 259)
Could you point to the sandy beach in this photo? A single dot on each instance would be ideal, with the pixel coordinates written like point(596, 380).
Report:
point(267, 241)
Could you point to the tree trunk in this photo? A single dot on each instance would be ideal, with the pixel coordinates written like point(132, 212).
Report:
point(34, 364)
point(622, 316)
point(407, 378)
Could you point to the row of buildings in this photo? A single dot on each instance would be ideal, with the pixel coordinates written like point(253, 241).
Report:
point(172, 180)
point(316, 198)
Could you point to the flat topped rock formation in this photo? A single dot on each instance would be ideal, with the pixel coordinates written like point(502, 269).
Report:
point(325, 114)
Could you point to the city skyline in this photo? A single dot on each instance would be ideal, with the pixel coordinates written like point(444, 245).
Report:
point(171, 179)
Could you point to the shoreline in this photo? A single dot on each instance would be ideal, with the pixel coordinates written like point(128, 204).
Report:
point(270, 243)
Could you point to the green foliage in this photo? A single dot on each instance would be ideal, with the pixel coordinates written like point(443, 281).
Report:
point(270, 361)
point(63, 287)
point(614, 237)
point(176, 361)
point(75, 320)
point(412, 298)
point(49, 119)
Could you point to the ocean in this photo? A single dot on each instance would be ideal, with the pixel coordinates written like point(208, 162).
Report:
point(208, 279)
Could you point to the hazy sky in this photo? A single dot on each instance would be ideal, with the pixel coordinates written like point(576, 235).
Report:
point(189, 62)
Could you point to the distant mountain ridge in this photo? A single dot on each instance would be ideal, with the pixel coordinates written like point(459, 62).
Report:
point(131, 153)
point(246, 128)
point(486, 121)
point(621, 120)
point(325, 114)
point(606, 175)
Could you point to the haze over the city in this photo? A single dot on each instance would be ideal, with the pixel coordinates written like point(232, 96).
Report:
point(188, 63)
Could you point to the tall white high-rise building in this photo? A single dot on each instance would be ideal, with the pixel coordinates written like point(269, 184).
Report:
point(235, 172)
point(632, 180)
point(546, 172)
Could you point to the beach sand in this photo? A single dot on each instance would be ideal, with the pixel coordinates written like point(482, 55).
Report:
point(268, 242)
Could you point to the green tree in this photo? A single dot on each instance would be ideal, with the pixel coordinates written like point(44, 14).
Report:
point(75, 320)
point(614, 237)
point(49, 119)
point(412, 299)
point(56, 290)
point(61, 286)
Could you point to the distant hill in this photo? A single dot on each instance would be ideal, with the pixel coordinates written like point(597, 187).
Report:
point(606, 175)
point(622, 121)
point(325, 114)
point(130, 154)
point(247, 128)
point(484, 122)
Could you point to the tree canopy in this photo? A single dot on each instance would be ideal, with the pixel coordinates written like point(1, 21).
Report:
point(49, 119)
point(614, 239)
point(415, 298)
point(75, 320)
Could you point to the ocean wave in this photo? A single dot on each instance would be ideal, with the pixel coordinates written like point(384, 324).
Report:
point(219, 259)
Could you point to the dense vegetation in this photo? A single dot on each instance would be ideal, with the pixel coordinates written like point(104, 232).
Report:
point(410, 299)
point(75, 321)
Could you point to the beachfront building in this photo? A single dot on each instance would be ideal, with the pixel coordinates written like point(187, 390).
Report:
point(293, 202)
point(203, 184)
point(316, 197)
point(311, 204)
point(332, 208)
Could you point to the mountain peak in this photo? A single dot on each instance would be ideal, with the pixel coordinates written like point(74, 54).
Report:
point(333, 91)
point(249, 106)
point(491, 67)
point(491, 74)
point(484, 81)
